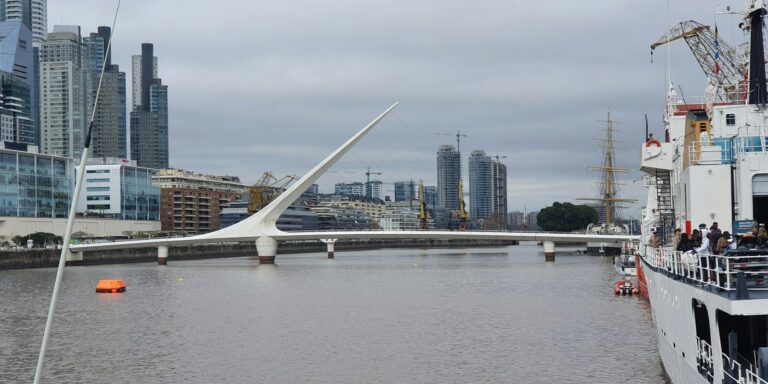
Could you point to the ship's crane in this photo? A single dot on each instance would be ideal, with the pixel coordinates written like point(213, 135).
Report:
point(423, 213)
point(266, 189)
point(717, 58)
point(463, 214)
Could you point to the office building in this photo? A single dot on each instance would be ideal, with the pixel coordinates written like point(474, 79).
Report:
point(149, 116)
point(430, 195)
point(116, 188)
point(16, 84)
point(499, 175)
point(63, 108)
point(297, 217)
point(405, 190)
point(34, 185)
point(448, 175)
point(349, 189)
point(373, 189)
point(109, 123)
point(191, 202)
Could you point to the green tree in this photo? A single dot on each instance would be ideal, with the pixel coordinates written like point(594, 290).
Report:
point(41, 239)
point(566, 217)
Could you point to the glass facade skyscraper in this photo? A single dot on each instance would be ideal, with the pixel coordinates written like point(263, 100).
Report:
point(448, 174)
point(480, 185)
point(149, 118)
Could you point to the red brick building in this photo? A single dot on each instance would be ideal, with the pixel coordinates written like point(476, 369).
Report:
point(191, 202)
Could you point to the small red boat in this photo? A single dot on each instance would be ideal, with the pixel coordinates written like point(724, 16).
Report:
point(625, 287)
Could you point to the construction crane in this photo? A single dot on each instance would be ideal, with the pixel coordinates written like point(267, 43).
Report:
point(267, 189)
point(458, 135)
point(368, 189)
point(716, 57)
point(423, 213)
point(463, 214)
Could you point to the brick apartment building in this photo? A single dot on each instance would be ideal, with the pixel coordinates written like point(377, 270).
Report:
point(190, 202)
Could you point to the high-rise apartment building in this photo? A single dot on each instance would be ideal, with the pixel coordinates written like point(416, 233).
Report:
point(349, 189)
point(109, 123)
point(487, 187)
point(137, 75)
point(448, 175)
point(149, 116)
point(373, 189)
point(405, 191)
point(16, 84)
point(63, 85)
point(480, 185)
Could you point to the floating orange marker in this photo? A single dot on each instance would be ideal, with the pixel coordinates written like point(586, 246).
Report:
point(110, 286)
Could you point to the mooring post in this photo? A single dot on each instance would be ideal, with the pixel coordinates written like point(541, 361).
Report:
point(549, 250)
point(162, 255)
point(330, 245)
point(266, 247)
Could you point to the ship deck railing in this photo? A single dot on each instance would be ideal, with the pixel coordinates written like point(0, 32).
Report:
point(725, 149)
point(720, 273)
point(733, 371)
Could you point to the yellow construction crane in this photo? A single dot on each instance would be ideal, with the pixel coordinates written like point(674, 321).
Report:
point(267, 189)
point(423, 213)
point(463, 214)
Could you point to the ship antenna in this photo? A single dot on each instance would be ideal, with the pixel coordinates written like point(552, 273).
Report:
point(72, 211)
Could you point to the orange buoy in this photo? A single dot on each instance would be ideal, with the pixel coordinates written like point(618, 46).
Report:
point(110, 286)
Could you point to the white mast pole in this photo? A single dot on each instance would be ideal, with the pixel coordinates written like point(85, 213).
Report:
point(72, 211)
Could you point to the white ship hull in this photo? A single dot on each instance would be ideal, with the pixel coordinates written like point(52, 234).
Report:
point(673, 319)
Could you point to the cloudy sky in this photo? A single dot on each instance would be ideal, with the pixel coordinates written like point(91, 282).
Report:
point(276, 85)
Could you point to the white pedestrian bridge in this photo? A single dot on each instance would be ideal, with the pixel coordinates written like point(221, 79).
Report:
point(261, 226)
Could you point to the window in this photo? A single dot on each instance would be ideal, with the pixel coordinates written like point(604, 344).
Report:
point(97, 171)
point(730, 119)
point(98, 198)
point(97, 189)
point(98, 206)
point(98, 180)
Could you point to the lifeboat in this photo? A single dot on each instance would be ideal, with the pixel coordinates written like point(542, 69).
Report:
point(110, 286)
point(625, 287)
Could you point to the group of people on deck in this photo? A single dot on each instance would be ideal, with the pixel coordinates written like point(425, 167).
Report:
point(713, 241)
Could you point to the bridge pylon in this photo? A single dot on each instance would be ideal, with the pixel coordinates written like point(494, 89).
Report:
point(162, 255)
point(266, 248)
point(330, 246)
point(549, 250)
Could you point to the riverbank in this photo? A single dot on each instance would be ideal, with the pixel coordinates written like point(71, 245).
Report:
point(46, 258)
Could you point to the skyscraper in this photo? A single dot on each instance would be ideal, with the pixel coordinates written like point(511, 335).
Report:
point(487, 187)
point(499, 174)
point(149, 116)
point(109, 123)
point(32, 13)
point(480, 185)
point(448, 174)
point(16, 83)
point(63, 89)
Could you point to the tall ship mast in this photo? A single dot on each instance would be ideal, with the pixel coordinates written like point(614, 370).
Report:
point(707, 177)
point(607, 201)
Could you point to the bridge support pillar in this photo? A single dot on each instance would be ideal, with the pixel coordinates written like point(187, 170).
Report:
point(266, 247)
point(330, 244)
point(549, 250)
point(162, 255)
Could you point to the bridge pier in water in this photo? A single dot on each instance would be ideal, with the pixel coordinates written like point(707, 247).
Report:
point(330, 245)
point(162, 255)
point(549, 250)
point(266, 248)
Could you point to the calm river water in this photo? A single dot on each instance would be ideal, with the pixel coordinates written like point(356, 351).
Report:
point(491, 315)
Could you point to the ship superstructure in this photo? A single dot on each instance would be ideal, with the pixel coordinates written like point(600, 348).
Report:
point(711, 310)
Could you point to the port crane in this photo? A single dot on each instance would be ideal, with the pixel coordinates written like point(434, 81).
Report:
point(716, 57)
point(423, 212)
point(267, 189)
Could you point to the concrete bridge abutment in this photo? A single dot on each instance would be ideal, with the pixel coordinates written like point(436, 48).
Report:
point(266, 248)
point(549, 250)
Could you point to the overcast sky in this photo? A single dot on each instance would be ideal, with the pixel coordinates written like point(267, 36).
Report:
point(277, 85)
